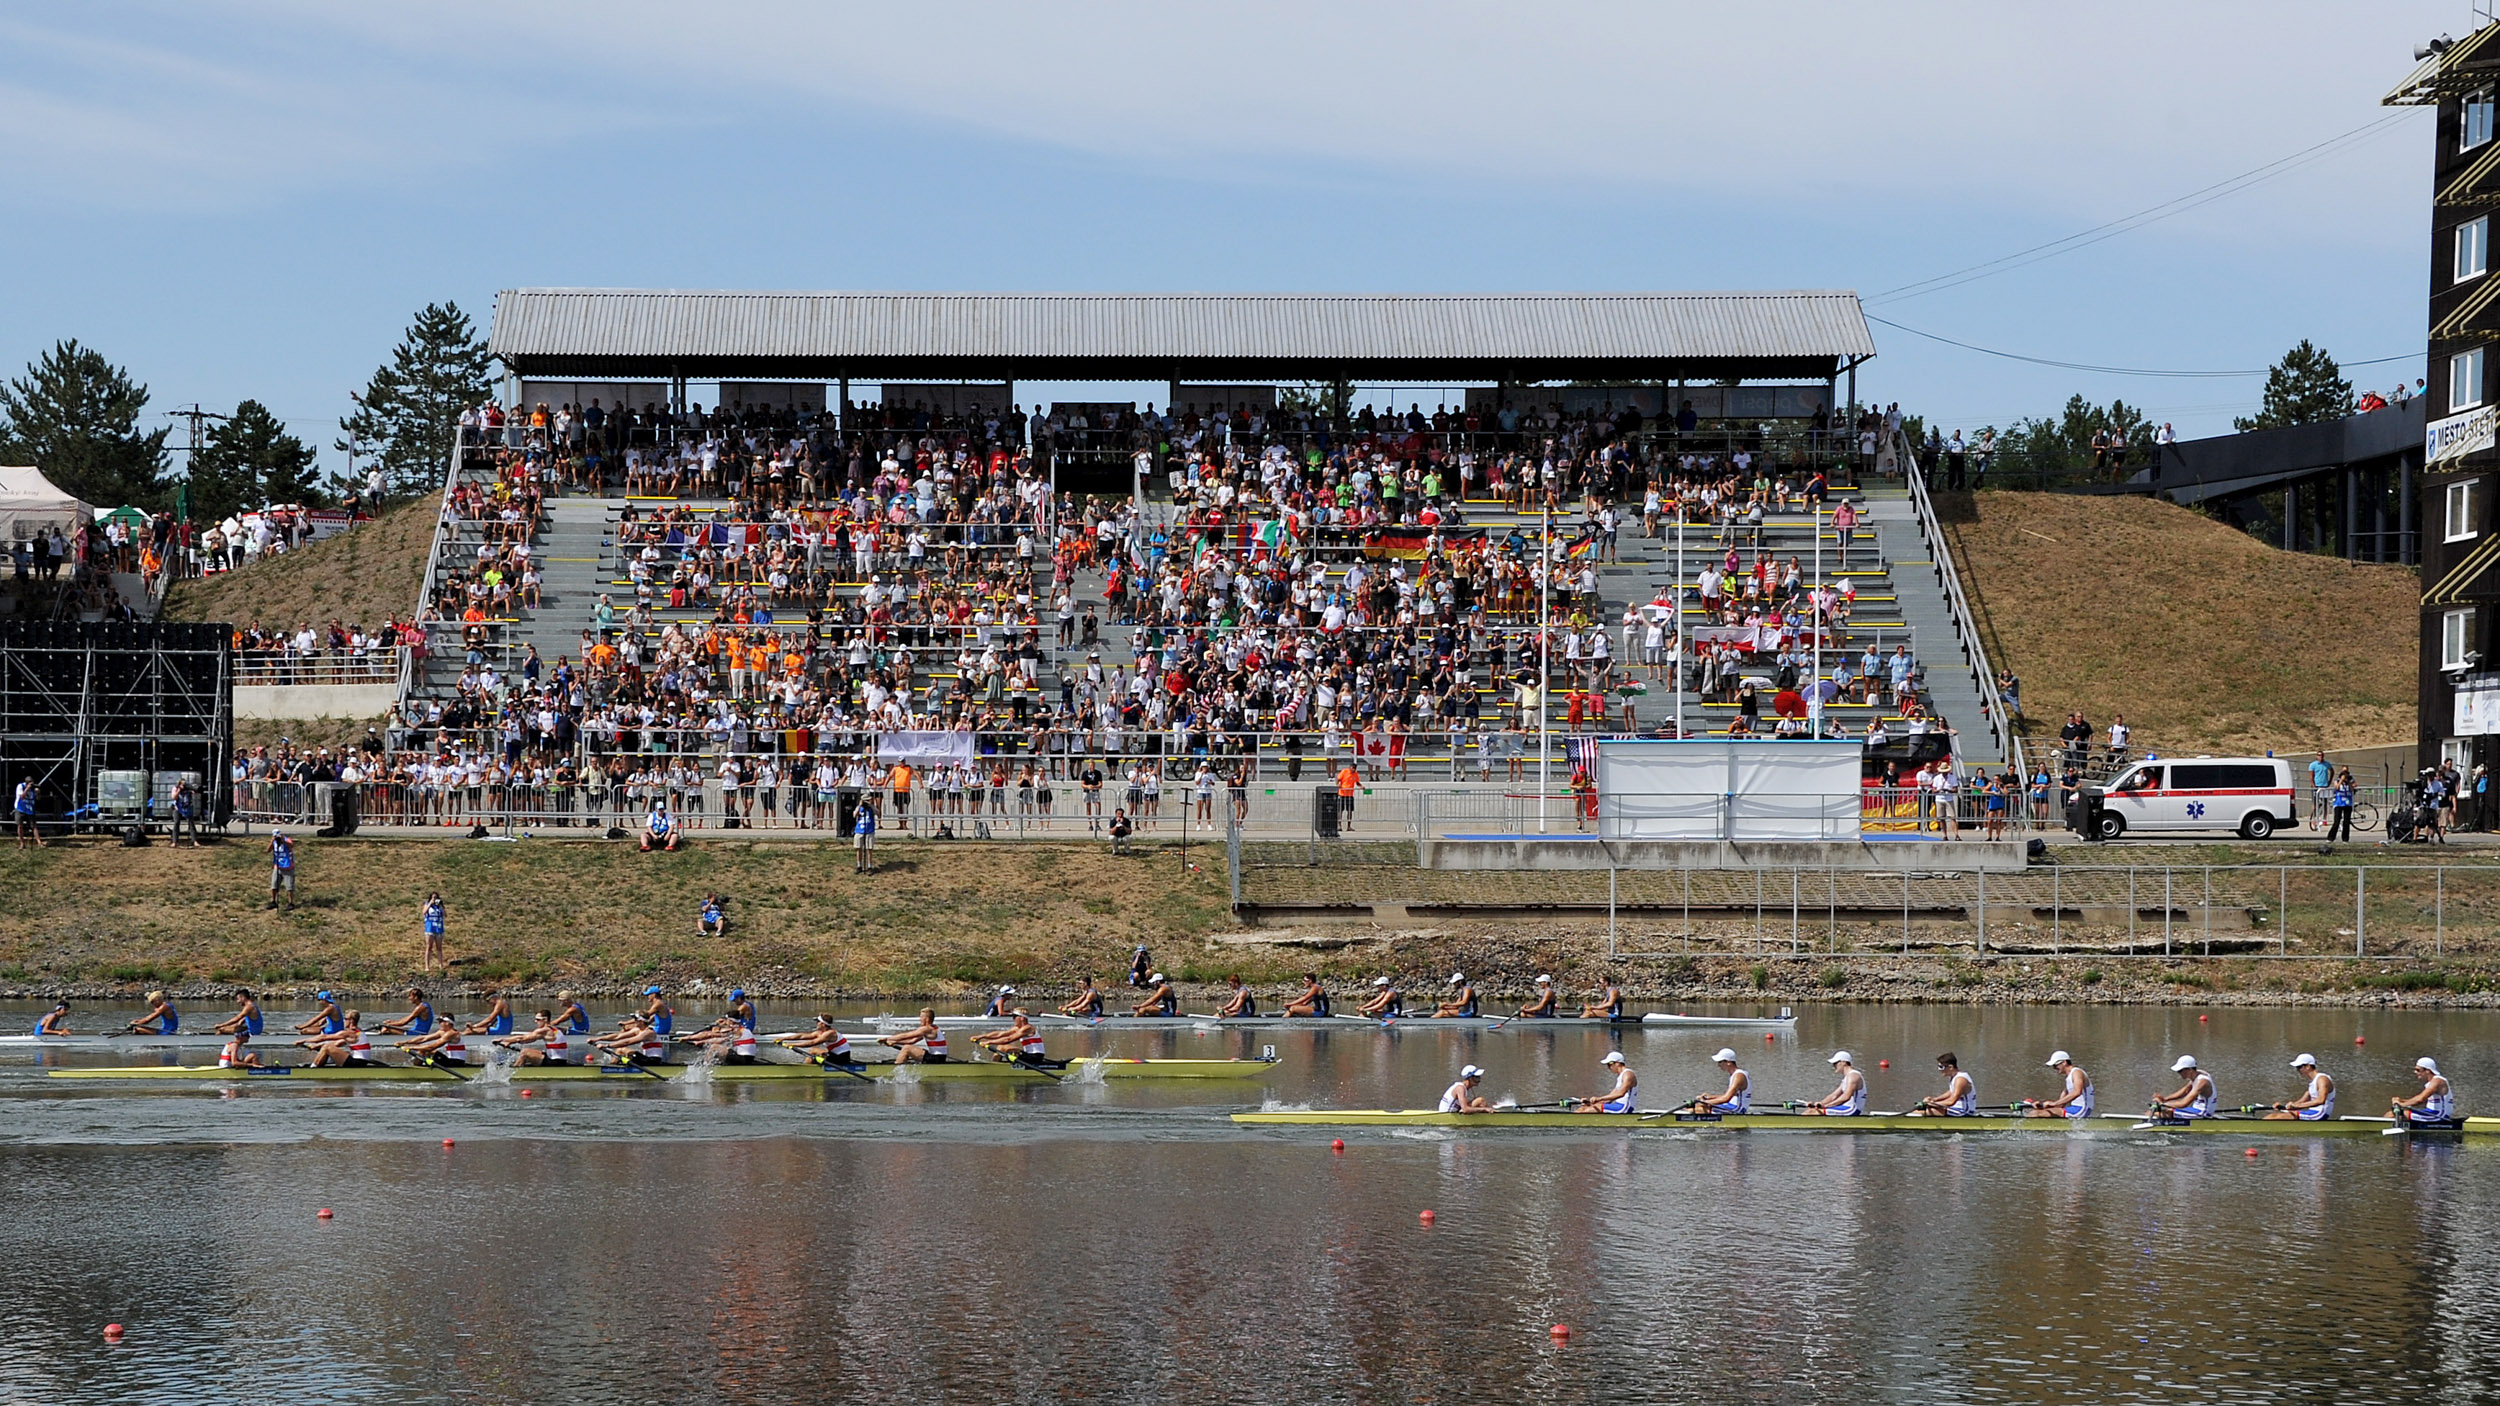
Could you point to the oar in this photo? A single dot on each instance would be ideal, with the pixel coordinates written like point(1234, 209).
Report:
point(429, 1062)
point(1685, 1107)
point(1021, 1064)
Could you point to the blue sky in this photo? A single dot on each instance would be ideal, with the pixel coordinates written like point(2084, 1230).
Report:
point(250, 198)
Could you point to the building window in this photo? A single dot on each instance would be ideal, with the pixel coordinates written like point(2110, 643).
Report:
point(2465, 380)
point(2456, 639)
point(2460, 518)
point(2473, 249)
point(2477, 128)
point(2458, 752)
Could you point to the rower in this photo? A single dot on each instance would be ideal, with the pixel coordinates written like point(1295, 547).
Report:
point(1001, 1005)
point(237, 1054)
point(1960, 1098)
point(1385, 1002)
point(2316, 1103)
point(1159, 998)
point(1737, 1097)
point(418, 1021)
point(347, 1046)
point(161, 1019)
point(658, 1013)
point(2194, 1098)
point(552, 1046)
point(925, 1042)
point(246, 1018)
point(1849, 1099)
point(824, 1045)
point(570, 1015)
point(631, 1043)
point(733, 1033)
point(445, 1046)
point(1542, 1007)
point(2434, 1107)
point(2073, 1101)
point(325, 1018)
point(1021, 1043)
point(1609, 1002)
point(1462, 1097)
point(1622, 1098)
point(1088, 1001)
point(497, 1021)
point(1239, 1004)
point(1313, 1002)
point(1462, 1004)
point(55, 1021)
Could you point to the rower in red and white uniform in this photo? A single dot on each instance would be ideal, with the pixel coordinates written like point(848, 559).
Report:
point(238, 1053)
point(2074, 1101)
point(1848, 1100)
point(2435, 1105)
point(2316, 1103)
point(1624, 1097)
point(1960, 1098)
point(924, 1043)
point(1737, 1097)
point(350, 1046)
point(824, 1044)
point(1461, 1097)
point(551, 1044)
point(447, 1045)
point(1020, 1042)
point(2194, 1098)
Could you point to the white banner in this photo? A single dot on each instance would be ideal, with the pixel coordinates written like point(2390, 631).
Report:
point(2460, 435)
point(925, 749)
point(2478, 712)
point(1740, 790)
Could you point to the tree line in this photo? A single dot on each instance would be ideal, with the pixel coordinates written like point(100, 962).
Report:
point(77, 416)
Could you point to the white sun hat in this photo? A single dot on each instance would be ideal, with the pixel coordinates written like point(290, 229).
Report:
point(1612, 1057)
point(2182, 1064)
point(1727, 1055)
point(2307, 1061)
point(1840, 1057)
point(2060, 1057)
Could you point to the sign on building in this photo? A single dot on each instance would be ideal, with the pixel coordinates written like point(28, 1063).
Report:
point(2460, 435)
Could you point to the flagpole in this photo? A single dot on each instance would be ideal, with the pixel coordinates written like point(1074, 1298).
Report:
point(1545, 667)
point(1815, 610)
point(1675, 617)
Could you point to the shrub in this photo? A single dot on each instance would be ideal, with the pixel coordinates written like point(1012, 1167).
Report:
point(1761, 977)
point(2091, 976)
point(2417, 981)
point(1835, 979)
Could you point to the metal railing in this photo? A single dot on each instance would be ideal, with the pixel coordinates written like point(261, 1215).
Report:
point(380, 664)
point(1965, 628)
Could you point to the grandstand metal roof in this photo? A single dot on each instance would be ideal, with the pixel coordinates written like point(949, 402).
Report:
point(603, 332)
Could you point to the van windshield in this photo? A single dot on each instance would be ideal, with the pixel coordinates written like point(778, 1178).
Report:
point(2146, 778)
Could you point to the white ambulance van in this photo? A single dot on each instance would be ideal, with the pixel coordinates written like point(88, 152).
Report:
point(2252, 795)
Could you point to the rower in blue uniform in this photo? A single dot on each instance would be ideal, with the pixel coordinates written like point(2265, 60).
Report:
point(1461, 1097)
point(497, 1021)
point(1624, 1097)
point(55, 1021)
point(325, 1019)
point(418, 1021)
point(1737, 1097)
point(2194, 1098)
point(1543, 1005)
point(1313, 1002)
point(1960, 1098)
point(1160, 999)
point(246, 1017)
point(570, 1017)
point(2434, 1107)
point(1002, 1004)
point(1849, 1099)
point(1386, 1003)
point(1239, 1004)
point(161, 1019)
point(2316, 1103)
point(1607, 1006)
point(1087, 1001)
point(1462, 1004)
point(2073, 1101)
point(741, 1009)
point(657, 1013)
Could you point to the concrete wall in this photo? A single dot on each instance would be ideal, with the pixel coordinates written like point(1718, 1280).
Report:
point(1589, 852)
point(314, 700)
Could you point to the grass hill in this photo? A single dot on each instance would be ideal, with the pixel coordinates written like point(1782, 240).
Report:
point(2207, 639)
point(365, 576)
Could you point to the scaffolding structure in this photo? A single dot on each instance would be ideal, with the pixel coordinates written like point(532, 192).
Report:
point(106, 718)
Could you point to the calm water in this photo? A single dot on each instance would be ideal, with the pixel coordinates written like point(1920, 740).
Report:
point(1128, 1243)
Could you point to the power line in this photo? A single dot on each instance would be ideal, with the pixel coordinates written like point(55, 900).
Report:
point(2110, 370)
point(2149, 215)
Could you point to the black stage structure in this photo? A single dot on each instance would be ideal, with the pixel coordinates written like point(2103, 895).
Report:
point(106, 717)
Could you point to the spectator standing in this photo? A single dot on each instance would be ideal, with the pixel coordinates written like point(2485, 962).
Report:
point(430, 952)
point(864, 836)
point(1348, 781)
point(2340, 800)
point(186, 814)
point(281, 869)
point(2321, 790)
point(22, 810)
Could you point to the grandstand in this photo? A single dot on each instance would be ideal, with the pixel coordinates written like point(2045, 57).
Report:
point(652, 602)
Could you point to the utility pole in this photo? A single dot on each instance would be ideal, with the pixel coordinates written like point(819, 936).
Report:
point(191, 451)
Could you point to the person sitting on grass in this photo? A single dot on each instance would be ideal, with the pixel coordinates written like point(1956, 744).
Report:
point(1120, 829)
point(659, 830)
point(711, 922)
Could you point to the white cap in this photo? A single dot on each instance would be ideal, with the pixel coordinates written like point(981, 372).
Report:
point(1006, 991)
point(1158, 976)
point(2061, 1057)
point(1382, 981)
point(1471, 1072)
point(1612, 1057)
point(1727, 1055)
point(1840, 1057)
point(1458, 978)
point(2426, 1062)
point(2183, 1062)
point(1543, 980)
point(2306, 1061)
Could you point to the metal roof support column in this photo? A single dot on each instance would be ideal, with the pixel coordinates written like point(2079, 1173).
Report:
point(2408, 550)
point(2352, 515)
point(2378, 516)
point(842, 409)
point(2291, 517)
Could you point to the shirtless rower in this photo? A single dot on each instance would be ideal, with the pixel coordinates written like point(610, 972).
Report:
point(1385, 1003)
point(325, 1019)
point(1313, 1002)
point(2194, 1098)
point(2435, 1105)
point(2072, 1101)
point(1462, 1004)
point(1461, 1097)
point(348, 1045)
point(1020, 1043)
point(552, 1046)
point(246, 1019)
point(56, 1020)
point(924, 1043)
point(497, 1021)
point(2316, 1103)
point(418, 1021)
point(1622, 1098)
point(1737, 1097)
point(1960, 1098)
point(824, 1045)
point(1541, 1006)
point(1160, 999)
point(161, 1019)
point(238, 1053)
point(1239, 1004)
point(1609, 1002)
point(1087, 1002)
point(1849, 1099)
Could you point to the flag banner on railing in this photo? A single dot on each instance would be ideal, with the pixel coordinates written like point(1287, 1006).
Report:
point(925, 748)
point(1413, 542)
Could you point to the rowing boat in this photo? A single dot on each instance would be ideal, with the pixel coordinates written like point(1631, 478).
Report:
point(1863, 1123)
point(185, 1040)
point(1211, 1021)
point(1107, 1068)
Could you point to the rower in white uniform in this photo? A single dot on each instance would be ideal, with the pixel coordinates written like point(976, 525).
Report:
point(2074, 1101)
point(1622, 1098)
point(2194, 1098)
point(552, 1047)
point(1849, 1099)
point(238, 1053)
point(2316, 1103)
point(1461, 1097)
point(824, 1044)
point(2433, 1106)
point(1960, 1098)
point(1737, 1097)
point(924, 1043)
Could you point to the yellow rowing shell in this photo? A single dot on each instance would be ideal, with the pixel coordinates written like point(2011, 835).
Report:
point(1088, 1068)
point(1863, 1123)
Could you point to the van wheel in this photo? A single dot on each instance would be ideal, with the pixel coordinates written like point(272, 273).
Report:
point(2109, 827)
point(2259, 826)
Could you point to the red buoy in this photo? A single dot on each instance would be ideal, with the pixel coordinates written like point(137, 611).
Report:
point(323, 1213)
point(1426, 1217)
point(112, 1332)
point(1559, 1331)
point(2252, 1152)
point(1336, 1145)
point(447, 1142)
point(1883, 1064)
point(2202, 1019)
point(2359, 1041)
point(525, 1093)
point(1768, 1037)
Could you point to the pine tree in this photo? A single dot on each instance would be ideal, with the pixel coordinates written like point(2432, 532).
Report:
point(250, 460)
point(2304, 388)
point(75, 416)
point(411, 408)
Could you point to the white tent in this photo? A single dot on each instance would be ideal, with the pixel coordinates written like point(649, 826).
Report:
point(29, 501)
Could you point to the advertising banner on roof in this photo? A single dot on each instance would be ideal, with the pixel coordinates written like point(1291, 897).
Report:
point(2460, 435)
